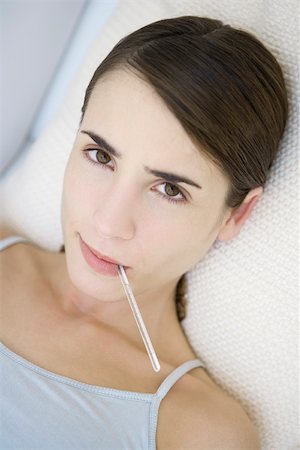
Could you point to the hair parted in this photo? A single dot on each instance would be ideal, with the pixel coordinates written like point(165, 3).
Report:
point(223, 85)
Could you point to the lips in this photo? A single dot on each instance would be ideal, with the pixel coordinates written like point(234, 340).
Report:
point(99, 262)
point(105, 258)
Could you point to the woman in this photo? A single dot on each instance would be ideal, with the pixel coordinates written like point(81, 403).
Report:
point(180, 125)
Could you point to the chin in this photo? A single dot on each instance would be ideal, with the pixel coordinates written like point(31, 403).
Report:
point(88, 283)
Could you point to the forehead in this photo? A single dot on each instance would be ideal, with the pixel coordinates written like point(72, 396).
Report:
point(129, 113)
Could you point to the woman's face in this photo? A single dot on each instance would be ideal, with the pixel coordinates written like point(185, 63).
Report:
point(121, 206)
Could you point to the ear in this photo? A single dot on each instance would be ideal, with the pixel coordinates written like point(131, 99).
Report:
point(238, 216)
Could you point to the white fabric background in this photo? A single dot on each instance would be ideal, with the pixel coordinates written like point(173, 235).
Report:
point(242, 297)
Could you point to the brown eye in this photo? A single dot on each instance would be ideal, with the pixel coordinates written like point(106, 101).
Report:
point(103, 157)
point(171, 190)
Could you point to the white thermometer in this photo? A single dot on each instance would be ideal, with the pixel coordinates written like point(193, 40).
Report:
point(138, 319)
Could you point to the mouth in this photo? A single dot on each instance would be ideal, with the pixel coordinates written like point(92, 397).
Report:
point(100, 263)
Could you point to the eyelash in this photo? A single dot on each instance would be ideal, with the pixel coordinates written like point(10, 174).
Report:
point(181, 201)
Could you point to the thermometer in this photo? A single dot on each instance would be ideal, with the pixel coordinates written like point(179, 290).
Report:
point(139, 319)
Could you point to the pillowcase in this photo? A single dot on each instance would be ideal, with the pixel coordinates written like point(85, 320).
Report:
point(242, 297)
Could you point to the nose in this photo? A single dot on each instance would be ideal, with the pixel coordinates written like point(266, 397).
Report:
point(114, 215)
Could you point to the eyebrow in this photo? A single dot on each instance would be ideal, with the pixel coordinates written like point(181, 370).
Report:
point(169, 177)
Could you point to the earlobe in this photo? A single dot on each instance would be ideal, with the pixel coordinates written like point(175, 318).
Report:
point(238, 216)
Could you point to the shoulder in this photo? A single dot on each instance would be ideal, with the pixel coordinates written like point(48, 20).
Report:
point(14, 259)
point(219, 422)
point(6, 231)
point(204, 417)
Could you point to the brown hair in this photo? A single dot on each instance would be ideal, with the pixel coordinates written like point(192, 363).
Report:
point(222, 84)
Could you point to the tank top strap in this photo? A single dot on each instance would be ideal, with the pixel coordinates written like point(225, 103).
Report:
point(161, 392)
point(8, 241)
point(177, 373)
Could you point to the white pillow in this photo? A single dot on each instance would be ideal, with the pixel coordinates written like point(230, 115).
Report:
point(242, 297)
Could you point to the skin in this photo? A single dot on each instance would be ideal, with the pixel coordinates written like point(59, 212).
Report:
point(116, 209)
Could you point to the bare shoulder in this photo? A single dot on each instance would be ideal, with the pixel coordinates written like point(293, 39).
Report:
point(6, 231)
point(15, 259)
point(204, 417)
point(218, 422)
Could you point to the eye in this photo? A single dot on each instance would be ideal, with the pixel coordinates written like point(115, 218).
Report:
point(172, 193)
point(171, 190)
point(98, 157)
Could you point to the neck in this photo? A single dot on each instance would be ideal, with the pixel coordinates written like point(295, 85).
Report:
point(115, 319)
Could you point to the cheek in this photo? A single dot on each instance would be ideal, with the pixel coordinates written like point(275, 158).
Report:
point(183, 242)
point(203, 233)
